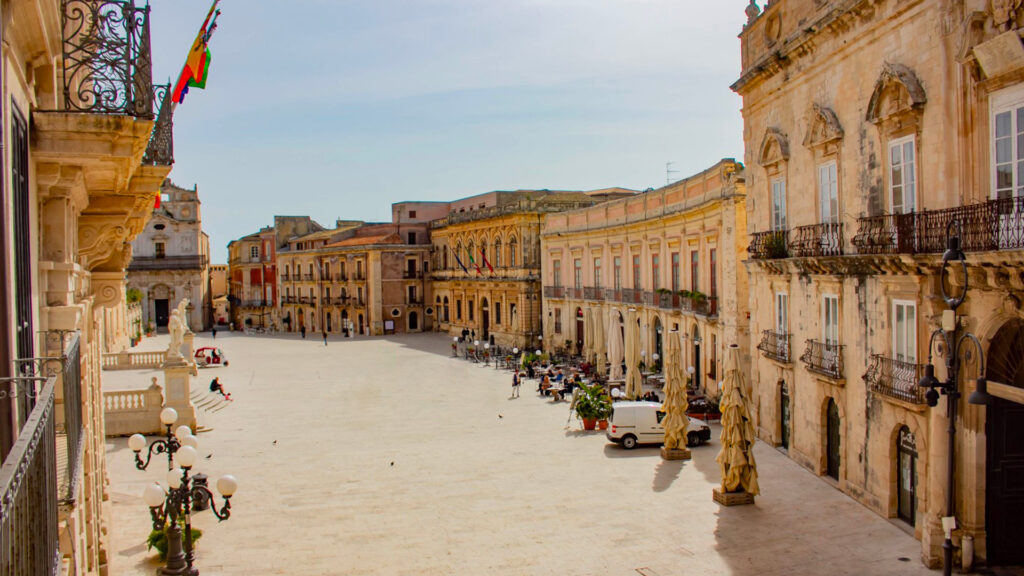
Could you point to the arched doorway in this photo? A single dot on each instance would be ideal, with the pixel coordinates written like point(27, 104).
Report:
point(485, 318)
point(445, 316)
point(344, 322)
point(414, 322)
point(580, 331)
point(906, 476)
point(360, 329)
point(330, 325)
point(832, 439)
point(1004, 433)
point(302, 321)
point(784, 415)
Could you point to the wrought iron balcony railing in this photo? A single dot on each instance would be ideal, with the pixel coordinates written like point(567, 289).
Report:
point(576, 293)
point(613, 295)
point(414, 301)
point(706, 306)
point(167, 263)
point(107, 58)
point(668, 300)
point(593, 293)
point(824, 239)
point(554, 291)
point(160, 150)
point(825, 358)
point(285, 278)
point(359, 277)
point(307, 277)
point(289, 300)
point(769, 245)
point(341, 277)
point(990, 225)
point(775, 345)
point(412, 274)
point(28, 482)
point(632, 296)
point(895, 378)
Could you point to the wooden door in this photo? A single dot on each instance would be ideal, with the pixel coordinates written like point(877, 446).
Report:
point(832, 440)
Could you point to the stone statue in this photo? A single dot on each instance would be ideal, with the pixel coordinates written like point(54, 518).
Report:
point(1004, 14)
point(752, 11)
point(183, 313)
point(176, 327)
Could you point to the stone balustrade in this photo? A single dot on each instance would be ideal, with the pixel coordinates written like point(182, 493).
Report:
point(128, 412)
point(125, 360)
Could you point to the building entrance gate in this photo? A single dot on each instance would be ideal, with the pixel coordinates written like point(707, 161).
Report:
point(832, 440)
point(1004, 433)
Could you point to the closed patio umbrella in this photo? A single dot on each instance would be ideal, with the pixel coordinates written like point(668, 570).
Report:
point(736, 458)
point(588, 334)
point(675, 405)
point(600, 333)
point(549, 331)
point(615, 346)
point(634, 382)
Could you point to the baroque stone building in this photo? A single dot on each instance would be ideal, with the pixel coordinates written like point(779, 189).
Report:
point(487, 262)
point(252, 270)
point(171, 259)
point(672, 253)
point(80, 174)
point(363, 279)
point(870, 126)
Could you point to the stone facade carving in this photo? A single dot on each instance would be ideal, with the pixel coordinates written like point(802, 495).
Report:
point(1004, 13)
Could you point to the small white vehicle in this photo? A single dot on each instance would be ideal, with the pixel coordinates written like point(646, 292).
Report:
point(635, 423)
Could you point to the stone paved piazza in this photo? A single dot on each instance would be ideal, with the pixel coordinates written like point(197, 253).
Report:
point(391, 457)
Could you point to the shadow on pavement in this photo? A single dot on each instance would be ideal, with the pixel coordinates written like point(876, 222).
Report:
point(666, 474)
point(616, 451)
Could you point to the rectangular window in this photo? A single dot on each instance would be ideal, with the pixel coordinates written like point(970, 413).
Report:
point(254, 252)
point(830, 319)
point(902, 176)
point(781, 312)
point(597, 272)
point(828, 193)
point(779, 204)
point(158, 247)
point(577, 274)
point(412, 237)
point(497, 313)
point(512, 248)
point(694, 270)
point(458, 309)
point(327, 292)
point(412, 213)
point(617, 273)
point(1008, 151)
point(470, 309)
point(675, 272)
point(655, 271)
point(636, 273)
point(712, 272)
point(558, 320)
point(904, 331)
point(556, 273)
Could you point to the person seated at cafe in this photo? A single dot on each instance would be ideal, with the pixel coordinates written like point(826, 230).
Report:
point(545, 384)
point(559, 376)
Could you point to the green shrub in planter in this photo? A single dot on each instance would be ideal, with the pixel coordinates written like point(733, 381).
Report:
point(158, 539)
point(593, 403)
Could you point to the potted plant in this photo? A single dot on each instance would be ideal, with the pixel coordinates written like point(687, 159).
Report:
point(592, 405)
point(775, 246)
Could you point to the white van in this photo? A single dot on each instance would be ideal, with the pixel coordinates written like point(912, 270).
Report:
point(635, 423)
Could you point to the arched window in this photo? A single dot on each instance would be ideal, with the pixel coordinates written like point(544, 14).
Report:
point(444, 258)
point(513, 257)
point(445, 309)
point(497, 253)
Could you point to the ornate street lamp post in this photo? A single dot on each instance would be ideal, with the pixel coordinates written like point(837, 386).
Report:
point(169, 445)
point(952, 344)
point(172, 510)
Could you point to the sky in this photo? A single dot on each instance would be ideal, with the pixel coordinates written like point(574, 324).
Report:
point(338, 108)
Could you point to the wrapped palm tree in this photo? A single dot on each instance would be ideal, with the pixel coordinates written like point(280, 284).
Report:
point(736, 459)
point(675, 405)
point(634, 381)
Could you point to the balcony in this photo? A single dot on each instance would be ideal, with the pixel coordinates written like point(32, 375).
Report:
point(824, 358)
point(359, 303)
point(107, 59)
point(359, 277)
point(554, 291)
point(895, 379)
point(593, 293)
point(412, 275)
point(991, 225)
point(285, 278)
point(414, 300)
point(253, 303)
point(632, 296)
point(29, 503)
point(307, 277)
point(775, 345)
point(769, 245)
point(304, 299)
point(668, 300)
point(576, 293)
point(167, 263)
point(341, 277)
point(706, 306)
point(817, 240)
point(290, 300)
point(613, 295)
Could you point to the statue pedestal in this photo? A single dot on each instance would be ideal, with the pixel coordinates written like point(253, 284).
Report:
point(189, 350)
point(675, 453)
point(178, 391)
point(732, 498)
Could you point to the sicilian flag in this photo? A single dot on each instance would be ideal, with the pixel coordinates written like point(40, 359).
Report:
point(197, 64)
point(473, 262)
point(461, 265)
point(486, 263)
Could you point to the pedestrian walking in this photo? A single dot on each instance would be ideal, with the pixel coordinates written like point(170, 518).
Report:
point(515, 384)
point(302, 330)
point(325, 338)
point(213, 332)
